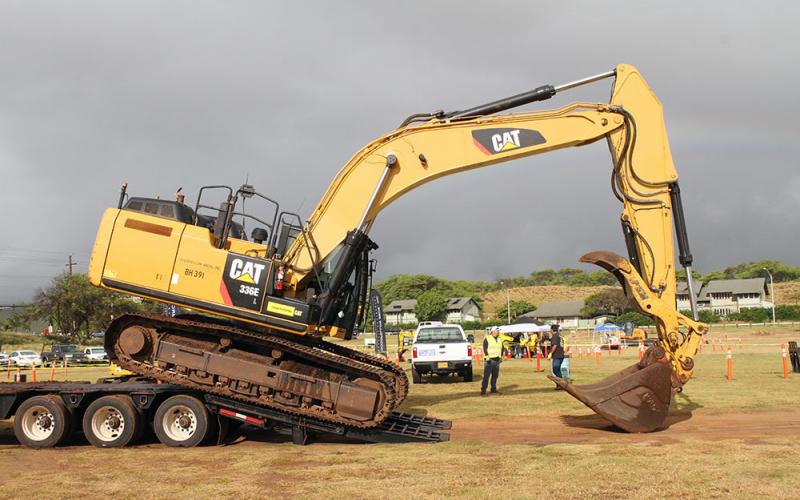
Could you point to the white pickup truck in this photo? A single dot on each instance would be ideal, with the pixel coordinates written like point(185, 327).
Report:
point(440, 349)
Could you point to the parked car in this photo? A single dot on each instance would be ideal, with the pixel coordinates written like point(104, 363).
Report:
point(96, 354)
point(61, 352)
point(440, 349)
point(3, 359)
point(25, 358)
point(98, 335)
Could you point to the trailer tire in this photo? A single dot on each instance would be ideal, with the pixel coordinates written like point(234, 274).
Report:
point(182, 421)
point(42, 422)
point(112, 422)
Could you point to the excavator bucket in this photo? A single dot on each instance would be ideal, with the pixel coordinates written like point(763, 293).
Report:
point(635, 399)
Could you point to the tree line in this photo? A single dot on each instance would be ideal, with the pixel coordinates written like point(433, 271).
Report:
point(431, 292)
point(71, 305)
point(75, 308)
point(411, 286)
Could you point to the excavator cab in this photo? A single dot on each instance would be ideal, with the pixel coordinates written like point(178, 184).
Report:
point(221, 219)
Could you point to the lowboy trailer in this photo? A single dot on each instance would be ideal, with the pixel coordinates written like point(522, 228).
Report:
point(116, 412)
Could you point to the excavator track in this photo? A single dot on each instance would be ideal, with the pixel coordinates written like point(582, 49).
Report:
point(308, 378)
point(402, 379)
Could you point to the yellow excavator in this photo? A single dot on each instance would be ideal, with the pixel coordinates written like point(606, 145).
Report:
point(264, 303)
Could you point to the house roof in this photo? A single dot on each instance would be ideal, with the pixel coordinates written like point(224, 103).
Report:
point(683, 287)
point(396, 306)
point(458, 303)
point(558, 309)
point(736, 287)
point(453, 304)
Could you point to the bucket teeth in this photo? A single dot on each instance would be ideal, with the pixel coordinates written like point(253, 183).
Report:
point(635, 399)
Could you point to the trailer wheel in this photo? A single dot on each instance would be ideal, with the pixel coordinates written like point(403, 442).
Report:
point(112, 422)
point(182, 421)
point(42, 422)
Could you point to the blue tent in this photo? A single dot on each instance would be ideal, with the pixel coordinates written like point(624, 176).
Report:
point(607, 327)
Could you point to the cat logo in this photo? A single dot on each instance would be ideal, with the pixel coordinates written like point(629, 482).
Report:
point(246, 271)
point(499, 140)
point(505, 141)
point(244, 282)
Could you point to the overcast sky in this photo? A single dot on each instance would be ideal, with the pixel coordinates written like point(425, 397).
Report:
point(169, 94)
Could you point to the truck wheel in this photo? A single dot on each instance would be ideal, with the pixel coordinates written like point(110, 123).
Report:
point(42, 422)
point(112, 422)
point(182, 421)
point(468, 375)
point(415, 375)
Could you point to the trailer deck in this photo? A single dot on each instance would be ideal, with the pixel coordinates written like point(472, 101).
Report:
point(147, 394)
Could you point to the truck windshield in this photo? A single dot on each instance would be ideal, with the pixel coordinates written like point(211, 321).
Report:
point(445, 334)
point(67, 348)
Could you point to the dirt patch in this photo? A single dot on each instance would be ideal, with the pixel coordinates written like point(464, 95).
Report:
point(593, 429)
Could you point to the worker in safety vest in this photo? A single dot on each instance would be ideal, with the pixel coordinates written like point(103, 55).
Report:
point(493, 354)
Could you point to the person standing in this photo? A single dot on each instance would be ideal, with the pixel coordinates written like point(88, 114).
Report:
point(493, 355)
point(565, 362)
point(556, 351)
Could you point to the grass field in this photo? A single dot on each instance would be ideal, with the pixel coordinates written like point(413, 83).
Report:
point(726, 439)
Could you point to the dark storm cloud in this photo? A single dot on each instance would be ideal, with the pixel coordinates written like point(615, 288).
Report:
point(169, 94)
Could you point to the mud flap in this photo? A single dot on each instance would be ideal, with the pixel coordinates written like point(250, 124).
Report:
point(635, 399)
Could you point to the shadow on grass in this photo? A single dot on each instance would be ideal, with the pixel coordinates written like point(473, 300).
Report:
point(680, 410)
point(420, 402)
point(592, 421)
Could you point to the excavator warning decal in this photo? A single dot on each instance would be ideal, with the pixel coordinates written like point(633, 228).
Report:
point(243, 282)
point(499, 140)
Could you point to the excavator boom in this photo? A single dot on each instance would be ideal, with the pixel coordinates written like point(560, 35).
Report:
point(311, 279)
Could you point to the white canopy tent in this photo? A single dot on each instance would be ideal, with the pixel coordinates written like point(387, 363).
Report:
point(523, 328)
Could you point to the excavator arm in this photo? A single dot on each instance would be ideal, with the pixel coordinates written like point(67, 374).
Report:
point(643, 178)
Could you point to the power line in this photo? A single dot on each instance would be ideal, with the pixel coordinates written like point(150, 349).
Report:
point(25, 276)
point(37, 250)
point(40, 262)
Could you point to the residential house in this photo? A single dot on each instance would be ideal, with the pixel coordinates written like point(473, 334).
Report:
point(682, 294)
point(459, 310)
point(725, 296)
point(728, 296)
point(400, 311)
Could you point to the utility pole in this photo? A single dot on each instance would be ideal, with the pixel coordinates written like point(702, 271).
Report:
point(508, 303)
point(70, 263)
